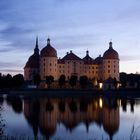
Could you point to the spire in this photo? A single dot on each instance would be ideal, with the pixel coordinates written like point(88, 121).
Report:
point(36, 46)
point(110, 44)
point(36, 50)
point(48, 41)
point(87, 52)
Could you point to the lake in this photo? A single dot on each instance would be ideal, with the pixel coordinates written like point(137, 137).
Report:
point(90, 118)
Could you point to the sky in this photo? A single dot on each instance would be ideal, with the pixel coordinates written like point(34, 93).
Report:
point(76, 25)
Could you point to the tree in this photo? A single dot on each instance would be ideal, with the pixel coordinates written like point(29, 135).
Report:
point(83, 81)
point(115, 83)
point(36, 80)
point(123, 79)
point(18, 80)
point(49, 80)
point(73, 80)
point(62, 80)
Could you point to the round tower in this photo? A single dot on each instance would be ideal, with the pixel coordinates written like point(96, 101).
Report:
point(32, 66)
point(48, 61)
point(110, 63)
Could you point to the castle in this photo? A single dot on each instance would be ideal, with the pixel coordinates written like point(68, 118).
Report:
point(46, 62)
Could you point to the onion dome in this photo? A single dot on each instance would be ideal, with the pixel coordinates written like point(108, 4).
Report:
point(48, 51)
point(33, 61)
point(87, 59)
point(110, 53)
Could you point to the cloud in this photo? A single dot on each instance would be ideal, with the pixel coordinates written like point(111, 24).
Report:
point(129, 57)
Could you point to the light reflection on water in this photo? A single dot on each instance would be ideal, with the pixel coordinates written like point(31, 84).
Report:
point(70, 118)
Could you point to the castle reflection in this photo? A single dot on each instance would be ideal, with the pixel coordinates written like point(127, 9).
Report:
point(44, 114)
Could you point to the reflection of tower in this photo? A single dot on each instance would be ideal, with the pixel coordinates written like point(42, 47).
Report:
point(31, 112)
point(48, 117)
point(111, 117)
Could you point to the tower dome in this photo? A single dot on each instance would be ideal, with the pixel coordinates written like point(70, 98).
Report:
point(48, 51)
point(110, 53)
point(33, 61)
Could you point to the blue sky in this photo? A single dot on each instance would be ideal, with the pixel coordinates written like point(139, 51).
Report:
point(75, 25)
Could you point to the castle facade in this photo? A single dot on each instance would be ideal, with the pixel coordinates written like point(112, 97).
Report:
point(46, 62)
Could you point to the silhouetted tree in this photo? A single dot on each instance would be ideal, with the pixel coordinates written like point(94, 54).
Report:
point(36, 80)
point(115, 83)
point(83, 81)
point(61, 106)
point(83, 106)
point(123, 79)
point(16, 104)
point(73, 80)
point(62, 80)
point(49, 106)
point(49, 80)
point(73, 106)
point(18, 80)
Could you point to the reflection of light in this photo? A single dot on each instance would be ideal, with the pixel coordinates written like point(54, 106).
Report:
point(119, 85)
point(120, 103)
point(100, 85)
point(101, 103)
point(96, 104)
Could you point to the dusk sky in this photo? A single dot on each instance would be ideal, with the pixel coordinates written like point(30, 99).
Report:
point(75, 25)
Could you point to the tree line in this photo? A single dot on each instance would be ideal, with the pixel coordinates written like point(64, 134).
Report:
point(132, 80)
point(8, 81)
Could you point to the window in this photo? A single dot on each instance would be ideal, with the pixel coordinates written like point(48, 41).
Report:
point(108, 61)
point(114, 71)
point(60, 66)
point(92, 67)
point(108, 66)
point(108, 71)
point(50, 70)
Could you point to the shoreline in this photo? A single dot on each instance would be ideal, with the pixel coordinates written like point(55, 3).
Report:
point(74, 93)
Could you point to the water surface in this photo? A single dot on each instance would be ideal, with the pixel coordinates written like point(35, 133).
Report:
point(70, 118)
